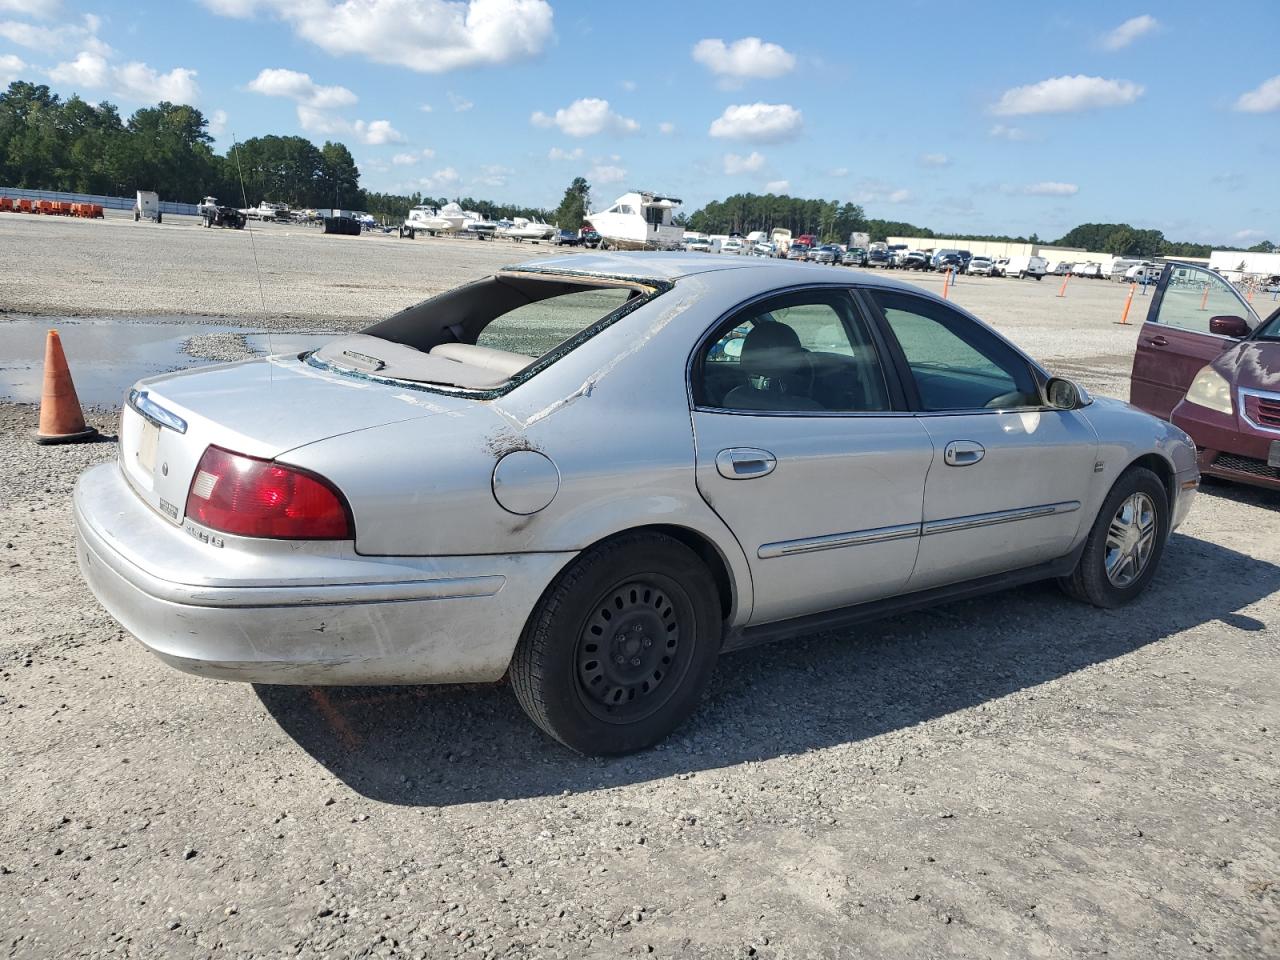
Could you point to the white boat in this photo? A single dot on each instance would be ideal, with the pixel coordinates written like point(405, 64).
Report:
point(478, 226)
point(448, 219)
point(637, 221)
point(524, 229)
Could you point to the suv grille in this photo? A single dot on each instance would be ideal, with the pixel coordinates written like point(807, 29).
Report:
point(1266, 410)
point(1257, 468)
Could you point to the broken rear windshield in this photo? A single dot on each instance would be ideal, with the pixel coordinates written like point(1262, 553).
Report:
point(487, 336)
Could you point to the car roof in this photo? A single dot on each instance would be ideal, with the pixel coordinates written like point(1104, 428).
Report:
point(673, 266)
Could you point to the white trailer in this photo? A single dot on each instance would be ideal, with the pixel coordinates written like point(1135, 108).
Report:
point(147, 205)
point(1026, 267)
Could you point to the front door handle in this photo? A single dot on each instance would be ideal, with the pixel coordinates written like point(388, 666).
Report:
point(962, 453)
point(745, 463)
point(1158, 341)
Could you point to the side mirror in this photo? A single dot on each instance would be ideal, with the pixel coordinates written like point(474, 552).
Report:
point(1229, 326)
point(1062, 394)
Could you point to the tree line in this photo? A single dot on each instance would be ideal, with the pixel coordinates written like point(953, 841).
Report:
point(47, 143)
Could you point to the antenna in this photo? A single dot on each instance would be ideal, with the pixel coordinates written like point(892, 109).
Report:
point(262, 297)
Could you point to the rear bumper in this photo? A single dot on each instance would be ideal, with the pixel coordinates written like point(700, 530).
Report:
point(285, 612)
point(1225, 449)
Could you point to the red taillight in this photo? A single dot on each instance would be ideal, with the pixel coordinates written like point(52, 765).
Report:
point(249, 497)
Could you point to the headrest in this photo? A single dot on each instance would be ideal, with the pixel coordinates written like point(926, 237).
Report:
point(772, 349)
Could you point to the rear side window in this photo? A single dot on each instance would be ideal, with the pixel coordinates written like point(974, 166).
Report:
point(800, 353)
point(955, 363)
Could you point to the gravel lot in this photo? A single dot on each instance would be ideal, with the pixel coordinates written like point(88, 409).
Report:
point(1016, 776)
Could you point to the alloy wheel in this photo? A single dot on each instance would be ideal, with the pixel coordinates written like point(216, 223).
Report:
point(1131, 538)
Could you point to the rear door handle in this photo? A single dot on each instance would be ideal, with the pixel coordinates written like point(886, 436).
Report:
point(745, 463)
point(1158, 341)
point(962, 453)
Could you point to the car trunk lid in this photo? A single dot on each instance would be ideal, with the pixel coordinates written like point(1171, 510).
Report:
point(262, 408)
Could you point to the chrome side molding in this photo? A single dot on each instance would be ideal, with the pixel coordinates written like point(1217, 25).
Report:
point(832, 541)
point(999, 516)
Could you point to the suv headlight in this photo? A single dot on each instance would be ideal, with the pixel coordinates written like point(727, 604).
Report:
point(1210, 389)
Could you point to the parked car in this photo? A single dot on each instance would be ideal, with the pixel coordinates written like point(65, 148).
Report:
point(965, 257)
point(825, 254)
point(946, 260)
point(1207, 362)
point(915, 260)
point(698, 245)
point(981, 266)
point(1091, 271)
point(732, 245)
point(897, 254)
point(477, 515)
point(589, 238)
point(798, 251)
point(1061, 268)
point(879, 256)
point(566, 238)
point(1021, 267)
point(764, 248)
point(855, 257)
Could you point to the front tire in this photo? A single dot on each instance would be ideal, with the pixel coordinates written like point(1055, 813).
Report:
point(1125, 545)
point(620, 647)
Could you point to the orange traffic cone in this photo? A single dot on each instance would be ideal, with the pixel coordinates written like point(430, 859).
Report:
point(61, 419)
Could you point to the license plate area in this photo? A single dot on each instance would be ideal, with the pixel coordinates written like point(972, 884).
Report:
point(148, 444)
point(1273, 456)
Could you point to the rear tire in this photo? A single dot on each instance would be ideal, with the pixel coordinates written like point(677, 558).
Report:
point(1124, 547)
point(620, 647)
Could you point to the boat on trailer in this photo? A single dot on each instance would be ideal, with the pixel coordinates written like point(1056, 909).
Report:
point(638, 220)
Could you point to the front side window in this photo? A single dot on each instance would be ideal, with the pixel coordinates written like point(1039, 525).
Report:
point(804, 352)
point(1193, 296)
point(955, 363)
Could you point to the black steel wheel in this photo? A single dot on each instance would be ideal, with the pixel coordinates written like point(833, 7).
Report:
point(617, 652)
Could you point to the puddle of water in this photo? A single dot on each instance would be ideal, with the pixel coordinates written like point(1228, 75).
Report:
point(108, 354)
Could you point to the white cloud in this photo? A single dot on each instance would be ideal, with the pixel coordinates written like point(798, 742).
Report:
point(1262, 100)
point(1067, 95)
point(1244, 235)
point(838, 172)
point(86, 70)
point(133, 81)
point(1002, 132)
point(667, 127)
point(747, 59)
point(777, 186)
point(426, 108)
point(274, 82)
point(429, 36)
point(404, 159)
point(493, 175)
point(1045, 188)
point(585, 118)
point(1129, 31)
point(376, 132)
point(735, 164)
point(442, 179)
point(607, 174)
point(877, 191)
point(141, 82)
point(218, 122)
point(64, 37)
point(935, 159)
point(460, 104)
point(31, 8)
point(372, 132)
point(761, 122)
point(428, 153)
point(558, 154)
point(11, 68)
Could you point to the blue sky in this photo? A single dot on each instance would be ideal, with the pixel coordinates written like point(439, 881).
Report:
point(1163, 115)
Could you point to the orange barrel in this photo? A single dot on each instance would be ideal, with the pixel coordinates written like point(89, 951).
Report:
point(6, 205)
point(24, 205)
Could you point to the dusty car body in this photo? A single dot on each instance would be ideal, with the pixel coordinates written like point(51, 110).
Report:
point(1208, 363)
point(713, 453)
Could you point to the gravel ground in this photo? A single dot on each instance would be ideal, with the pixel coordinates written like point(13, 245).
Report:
point(1017, 776)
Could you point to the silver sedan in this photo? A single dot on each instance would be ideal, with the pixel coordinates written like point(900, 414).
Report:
point(595, 474)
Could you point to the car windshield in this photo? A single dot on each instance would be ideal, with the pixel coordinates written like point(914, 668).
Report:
point(1270, 330)
point(487, 335)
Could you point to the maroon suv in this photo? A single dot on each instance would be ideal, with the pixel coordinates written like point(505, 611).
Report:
point(1206, 362)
